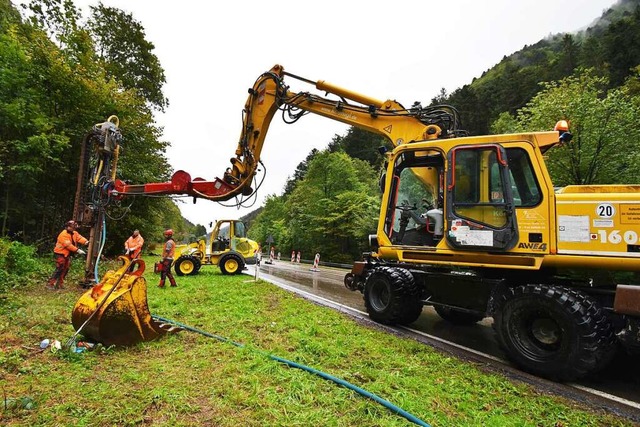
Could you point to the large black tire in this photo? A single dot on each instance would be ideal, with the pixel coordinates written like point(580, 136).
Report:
point(187, 265)
point(412, 303)
point(390, 296)
point(554, 332)
point(231, 264)
point(457, 317)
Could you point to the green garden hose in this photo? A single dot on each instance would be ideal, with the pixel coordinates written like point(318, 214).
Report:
point(321, 374)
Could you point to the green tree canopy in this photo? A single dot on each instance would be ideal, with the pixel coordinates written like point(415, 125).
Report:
point(606, 143)
point(361, 144)
point(54, 86)
point(331, 211)
point(611, 46)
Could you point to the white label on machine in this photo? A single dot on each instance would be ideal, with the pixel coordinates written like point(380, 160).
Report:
point(468, 237)
point(573, 228)
point(603, 223)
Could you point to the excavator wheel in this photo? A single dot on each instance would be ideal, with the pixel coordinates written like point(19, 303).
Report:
point(187, 265)
point(231, 264)
point(553, 331)
point(390, 296)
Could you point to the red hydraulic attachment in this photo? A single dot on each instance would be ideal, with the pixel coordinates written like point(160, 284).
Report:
point(181, 183)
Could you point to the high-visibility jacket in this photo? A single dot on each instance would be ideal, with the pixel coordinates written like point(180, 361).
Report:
point(169, 249)
point(67, 243)
point(134, 244)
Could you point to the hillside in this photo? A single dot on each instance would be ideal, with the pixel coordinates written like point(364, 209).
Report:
point(610, 45)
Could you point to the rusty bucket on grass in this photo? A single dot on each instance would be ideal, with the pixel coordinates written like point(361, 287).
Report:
point(115, 311)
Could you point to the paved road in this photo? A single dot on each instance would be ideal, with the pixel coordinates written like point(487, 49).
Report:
point(621, 379)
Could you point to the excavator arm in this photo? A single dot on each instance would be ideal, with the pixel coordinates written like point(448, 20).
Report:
point(269, 94)
point(97, 185)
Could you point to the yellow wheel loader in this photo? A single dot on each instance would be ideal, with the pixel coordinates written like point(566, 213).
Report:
point(228, 247)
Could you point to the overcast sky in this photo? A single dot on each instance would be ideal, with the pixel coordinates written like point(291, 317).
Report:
point(212, 52)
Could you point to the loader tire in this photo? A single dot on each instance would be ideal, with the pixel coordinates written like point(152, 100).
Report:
point(457, 317)
point(231, 264)
point(554, 332)
point(187, 265)
point(390, 296)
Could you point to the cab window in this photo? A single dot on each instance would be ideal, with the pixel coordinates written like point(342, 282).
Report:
point(524, 186)
point(478, 190)
point(240, 230)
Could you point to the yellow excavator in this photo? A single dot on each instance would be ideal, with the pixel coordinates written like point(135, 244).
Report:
point(471, 225)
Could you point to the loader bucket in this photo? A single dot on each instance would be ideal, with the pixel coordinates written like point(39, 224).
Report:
point(115, 311)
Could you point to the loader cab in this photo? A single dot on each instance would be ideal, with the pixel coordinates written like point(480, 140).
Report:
point(231, 235)
point(226, 234)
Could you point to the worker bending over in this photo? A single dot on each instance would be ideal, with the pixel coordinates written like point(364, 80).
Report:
point(66, 245)
point(133, 245)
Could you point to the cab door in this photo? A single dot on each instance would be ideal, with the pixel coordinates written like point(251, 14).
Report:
point(480, 207)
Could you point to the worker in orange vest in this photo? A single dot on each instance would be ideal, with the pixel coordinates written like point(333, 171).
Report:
point(133, 245)
point(66, 246)
point(168, 250)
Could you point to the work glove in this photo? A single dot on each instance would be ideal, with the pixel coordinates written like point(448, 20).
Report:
point(81, 252)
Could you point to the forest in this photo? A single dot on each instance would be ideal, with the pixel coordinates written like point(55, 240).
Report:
point(59, 76)
point(60, 71)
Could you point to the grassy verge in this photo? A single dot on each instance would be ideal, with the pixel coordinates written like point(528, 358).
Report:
point(190, 380)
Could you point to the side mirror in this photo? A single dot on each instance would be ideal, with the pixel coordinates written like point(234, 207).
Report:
point(383, 180)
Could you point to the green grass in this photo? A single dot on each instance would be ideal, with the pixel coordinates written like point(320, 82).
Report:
point(187, 379)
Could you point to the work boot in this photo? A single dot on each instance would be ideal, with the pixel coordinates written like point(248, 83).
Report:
point(173, 282)
point(161, 285)
point(50, 286)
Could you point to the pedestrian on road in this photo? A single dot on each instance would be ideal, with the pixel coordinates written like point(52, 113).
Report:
point(133, 245)
point(66, 246)
point(168, 251)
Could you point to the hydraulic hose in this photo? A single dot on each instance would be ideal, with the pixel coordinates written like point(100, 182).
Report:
point(321, 374)
point(104, 240)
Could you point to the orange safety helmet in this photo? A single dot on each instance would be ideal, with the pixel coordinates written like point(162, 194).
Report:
point(168, 232)
point(561, 126)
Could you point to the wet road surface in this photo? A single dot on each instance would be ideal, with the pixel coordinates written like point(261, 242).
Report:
point(621, 379)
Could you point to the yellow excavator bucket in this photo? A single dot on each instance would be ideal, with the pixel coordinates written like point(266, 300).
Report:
point(115, 311)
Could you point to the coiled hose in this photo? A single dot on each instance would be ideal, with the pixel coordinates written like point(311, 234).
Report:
point(321, 374)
